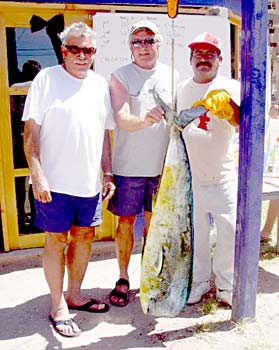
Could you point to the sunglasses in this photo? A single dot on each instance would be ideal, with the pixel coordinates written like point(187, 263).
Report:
point(145, 42)
point(75, 50)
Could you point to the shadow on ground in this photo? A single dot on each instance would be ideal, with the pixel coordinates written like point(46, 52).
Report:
point(31, 318)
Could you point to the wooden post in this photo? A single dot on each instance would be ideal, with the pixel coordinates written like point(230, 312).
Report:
point(253, 72)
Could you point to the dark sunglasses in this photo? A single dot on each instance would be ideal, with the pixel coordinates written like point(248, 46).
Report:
point(75, 50)
point(145, 42)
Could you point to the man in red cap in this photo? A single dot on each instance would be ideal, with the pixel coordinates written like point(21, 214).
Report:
point(209, 142)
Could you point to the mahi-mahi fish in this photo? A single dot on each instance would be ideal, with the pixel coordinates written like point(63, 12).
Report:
point(166, 269)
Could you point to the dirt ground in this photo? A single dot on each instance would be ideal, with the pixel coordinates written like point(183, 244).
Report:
point(24, 308)
point(215, 330)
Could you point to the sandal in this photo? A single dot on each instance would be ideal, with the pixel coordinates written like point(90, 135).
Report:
point(266, 239)
point(101, 307)
point(69, 322)
point(123, 297)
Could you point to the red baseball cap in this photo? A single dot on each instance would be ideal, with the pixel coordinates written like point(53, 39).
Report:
point(208, 39)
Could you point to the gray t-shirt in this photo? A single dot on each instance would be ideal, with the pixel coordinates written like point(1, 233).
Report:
point(141, 153)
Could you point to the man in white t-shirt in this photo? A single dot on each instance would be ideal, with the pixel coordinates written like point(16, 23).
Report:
point(209, 142)
point(140, 141)
point(67, 112)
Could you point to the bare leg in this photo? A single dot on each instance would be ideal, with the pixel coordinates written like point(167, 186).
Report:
point(147, 216)
point(272, 213)
point(78, 255)
point(54, 268)
point(124, 240)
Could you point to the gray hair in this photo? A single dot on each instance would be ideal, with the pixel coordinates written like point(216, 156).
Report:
point(78, 29)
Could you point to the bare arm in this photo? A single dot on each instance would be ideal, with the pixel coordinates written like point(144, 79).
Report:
point(108, 185)
point(121, 108)
point(274, 112)
point(32, 152)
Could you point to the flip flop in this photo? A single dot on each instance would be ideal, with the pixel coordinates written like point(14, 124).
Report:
point(86, 306)
point(266, 239)
point(69, 322)
point(125, 296)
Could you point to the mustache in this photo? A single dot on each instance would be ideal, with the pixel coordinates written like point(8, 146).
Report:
point(204, 63)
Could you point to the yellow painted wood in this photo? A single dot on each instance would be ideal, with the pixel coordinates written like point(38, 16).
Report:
point(31, 240)
point(237, 57)
point(2, 212)
point(2, 150)
point(2, 201)
point(8, 203)
point(235, 19)
point(21, 172)
point(18, 90)
point(91, 8)
point(107, 230)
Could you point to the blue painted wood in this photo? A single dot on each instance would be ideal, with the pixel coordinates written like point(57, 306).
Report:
point(234, 5)
point(253, 65)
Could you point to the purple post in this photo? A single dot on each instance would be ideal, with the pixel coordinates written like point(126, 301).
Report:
point(253, 73)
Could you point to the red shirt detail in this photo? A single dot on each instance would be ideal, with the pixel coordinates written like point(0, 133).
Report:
point(204, 119)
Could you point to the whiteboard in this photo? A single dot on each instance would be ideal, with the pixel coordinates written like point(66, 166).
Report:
point(113, 30)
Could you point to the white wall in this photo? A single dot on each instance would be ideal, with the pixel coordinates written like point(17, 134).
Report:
point(112, 39)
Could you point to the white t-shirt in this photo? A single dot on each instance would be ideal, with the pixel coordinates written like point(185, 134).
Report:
point(142, 152)
point(73, 115)
point(209, 140)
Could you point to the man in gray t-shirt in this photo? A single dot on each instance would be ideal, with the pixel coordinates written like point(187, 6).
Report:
point(140, 141)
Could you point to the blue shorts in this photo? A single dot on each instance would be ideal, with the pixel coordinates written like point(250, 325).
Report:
point(133, 194)
point(65, 210)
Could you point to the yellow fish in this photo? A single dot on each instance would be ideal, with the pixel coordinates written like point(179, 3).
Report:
point(166, 270)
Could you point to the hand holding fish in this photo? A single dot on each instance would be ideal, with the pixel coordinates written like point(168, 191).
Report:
point(181, 120)
point(218, 103)
point(155, 115)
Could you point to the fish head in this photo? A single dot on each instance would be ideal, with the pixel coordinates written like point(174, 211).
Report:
point(160, 102)
point(186, 116)
point(181, 120)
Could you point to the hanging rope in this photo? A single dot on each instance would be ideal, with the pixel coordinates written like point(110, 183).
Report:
point(172, 13)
